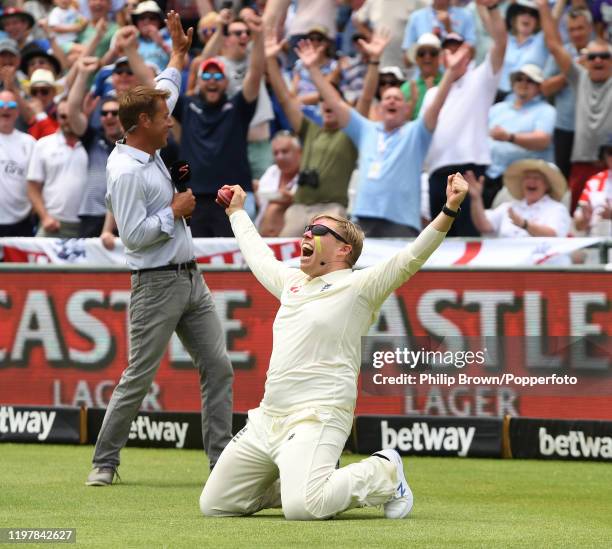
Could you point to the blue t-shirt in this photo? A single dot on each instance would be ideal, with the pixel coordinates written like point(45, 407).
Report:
point(425, 20)
point(390, 165)
point(533, 50)
point(537, 114)
point(214, 141)
point(152, 53)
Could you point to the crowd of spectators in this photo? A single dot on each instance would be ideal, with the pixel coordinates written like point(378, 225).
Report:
point(351, 107)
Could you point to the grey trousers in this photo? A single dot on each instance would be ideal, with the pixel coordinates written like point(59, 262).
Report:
point(163, 302)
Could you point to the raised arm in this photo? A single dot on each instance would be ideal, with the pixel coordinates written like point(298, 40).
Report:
point(496, 27)
point(477, 209)
point(170, 77)
point(374, 50)
point(273, 274)
point(289, 103)
point(456, 66)
point(257, 62)
point(378, 282)
point(126, 41)
point(308, 54)
point(213, 46)
point(86, 66)
point(553, 40)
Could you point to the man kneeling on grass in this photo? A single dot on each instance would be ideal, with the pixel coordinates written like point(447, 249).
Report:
point(298, 432)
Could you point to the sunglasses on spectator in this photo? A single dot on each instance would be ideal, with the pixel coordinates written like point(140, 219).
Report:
point(603, 55)
point(206, 30)
point(428, 53)
point(321, 230)
point(8, 104)
point(239, 33)
point(41, 91)
point(110, 112)
point(212, 76)
point(388, 82)
point(522, 78)
point(316, 38)
point(62, 116)
point(124, 70)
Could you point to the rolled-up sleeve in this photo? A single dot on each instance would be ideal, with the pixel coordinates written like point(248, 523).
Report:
point(170, 80)
point(136, 226)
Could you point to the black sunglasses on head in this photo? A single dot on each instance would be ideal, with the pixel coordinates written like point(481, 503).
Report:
point(321, 230)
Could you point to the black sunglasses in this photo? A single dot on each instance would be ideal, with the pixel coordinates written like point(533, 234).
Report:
point(321, 230)
point(603, 55)
point(124, 71)
point(111, 112)
point(239, 33)
point(430, 53)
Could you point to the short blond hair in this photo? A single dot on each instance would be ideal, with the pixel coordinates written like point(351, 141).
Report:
point(139, 100)
point(349, 230)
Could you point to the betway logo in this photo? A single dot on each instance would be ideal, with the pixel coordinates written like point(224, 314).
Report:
point(31, 422)
point(422, 437)
point(574, 444)
point(143, 428)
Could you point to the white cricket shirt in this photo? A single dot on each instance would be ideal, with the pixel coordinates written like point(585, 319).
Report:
point(317, 331)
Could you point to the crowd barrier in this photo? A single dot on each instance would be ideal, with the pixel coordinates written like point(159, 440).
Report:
point(63, 340)
point(506, 437)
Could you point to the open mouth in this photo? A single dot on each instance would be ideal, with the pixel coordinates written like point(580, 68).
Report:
point(307, 250)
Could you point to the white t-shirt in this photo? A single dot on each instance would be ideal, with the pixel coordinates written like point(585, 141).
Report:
point(314, 13)
point(60, 16)
point(62, 170)
point(462, 131)
point(598, 192)
point(268, 189)
point(15, 151)
point(545, 211)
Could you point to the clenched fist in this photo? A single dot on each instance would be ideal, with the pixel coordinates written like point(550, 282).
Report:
point(456, 189)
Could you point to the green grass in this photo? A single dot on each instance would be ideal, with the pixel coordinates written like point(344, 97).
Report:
point(458, 503)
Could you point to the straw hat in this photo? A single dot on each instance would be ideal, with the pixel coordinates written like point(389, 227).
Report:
point(513, 177)
point(426, 39)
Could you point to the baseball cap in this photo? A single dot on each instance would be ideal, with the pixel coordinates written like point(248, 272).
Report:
point(452, 37)
point(533, 72)
point(120, 61)
point(213, 61)
point(9, 45)
point(393, 70)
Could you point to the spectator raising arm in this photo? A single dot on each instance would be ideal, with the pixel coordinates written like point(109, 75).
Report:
point(181, 42)
point(309, 56)
point(477, 209)
point(495, 25)
point(289, 103)
point(257, 62)
point(374, 50)
point(456, 65)
point(79, 121)
point(553, 40)
point(126, 40)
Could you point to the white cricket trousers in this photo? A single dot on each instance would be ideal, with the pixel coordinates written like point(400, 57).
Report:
point(300, 450)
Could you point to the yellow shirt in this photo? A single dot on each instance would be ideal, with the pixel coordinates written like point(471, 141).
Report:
point(316, 350)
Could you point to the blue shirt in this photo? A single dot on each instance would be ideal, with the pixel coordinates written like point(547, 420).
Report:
point(537, 114)
point(390, 165)
point(153, 53)
point(533, 50)
point(425, 20)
